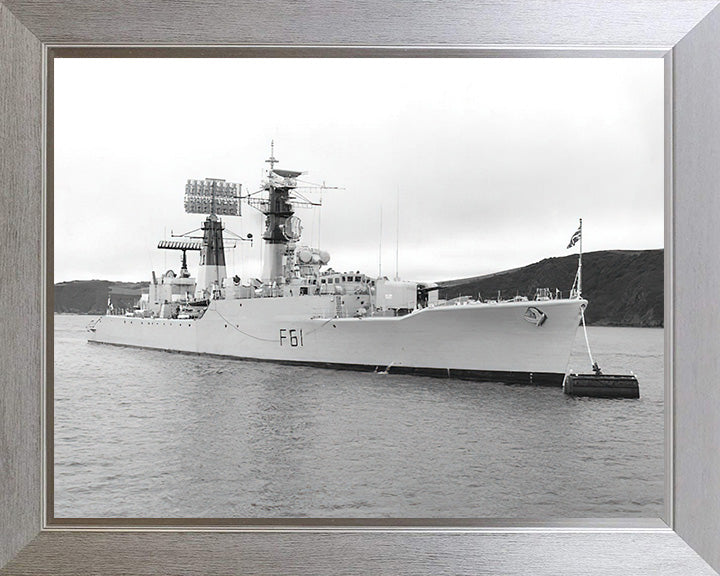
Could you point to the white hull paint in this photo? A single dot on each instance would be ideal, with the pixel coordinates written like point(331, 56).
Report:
point(482, 341)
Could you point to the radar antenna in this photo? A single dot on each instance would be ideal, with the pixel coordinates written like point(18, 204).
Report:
point(272, 160)
point(280, 194)
point(213, 196)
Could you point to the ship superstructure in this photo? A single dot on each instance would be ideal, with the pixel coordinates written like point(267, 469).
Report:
point(301, 311)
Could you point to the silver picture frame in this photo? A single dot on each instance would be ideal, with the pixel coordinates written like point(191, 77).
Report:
point(685, 33)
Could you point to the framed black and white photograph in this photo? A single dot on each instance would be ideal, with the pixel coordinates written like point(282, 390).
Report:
point(433, 306)
point(358, 339)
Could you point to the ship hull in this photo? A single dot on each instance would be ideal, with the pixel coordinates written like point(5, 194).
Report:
point(477, 341)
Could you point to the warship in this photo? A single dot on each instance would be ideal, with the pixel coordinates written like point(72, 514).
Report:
point(301, 311)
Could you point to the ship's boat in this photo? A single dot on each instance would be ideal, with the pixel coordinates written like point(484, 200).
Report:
point(303, 312)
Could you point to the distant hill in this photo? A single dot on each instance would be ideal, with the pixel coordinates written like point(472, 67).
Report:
point(624, 287)
point(91, 296)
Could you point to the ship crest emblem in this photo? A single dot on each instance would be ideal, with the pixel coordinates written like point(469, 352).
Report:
point(535, 316)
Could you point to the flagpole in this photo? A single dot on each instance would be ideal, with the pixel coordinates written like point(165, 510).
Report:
point(580, 264)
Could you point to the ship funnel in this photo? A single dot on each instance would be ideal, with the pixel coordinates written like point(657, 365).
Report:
point(215, 197)
point(211, 271)
point(282, 228)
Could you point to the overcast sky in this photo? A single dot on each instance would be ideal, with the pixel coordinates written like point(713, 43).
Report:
point(493, 160)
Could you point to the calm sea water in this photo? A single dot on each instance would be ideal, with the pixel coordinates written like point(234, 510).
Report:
point(156, 434)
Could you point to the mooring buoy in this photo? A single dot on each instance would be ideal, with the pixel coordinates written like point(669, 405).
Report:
point(601, 385)
point(597, 384)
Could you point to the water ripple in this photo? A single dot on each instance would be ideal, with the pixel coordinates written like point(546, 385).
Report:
point(146, 433)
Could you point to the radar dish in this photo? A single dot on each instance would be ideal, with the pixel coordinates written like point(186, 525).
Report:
point(305, 255)
point(287, 173)
point(292, 228)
